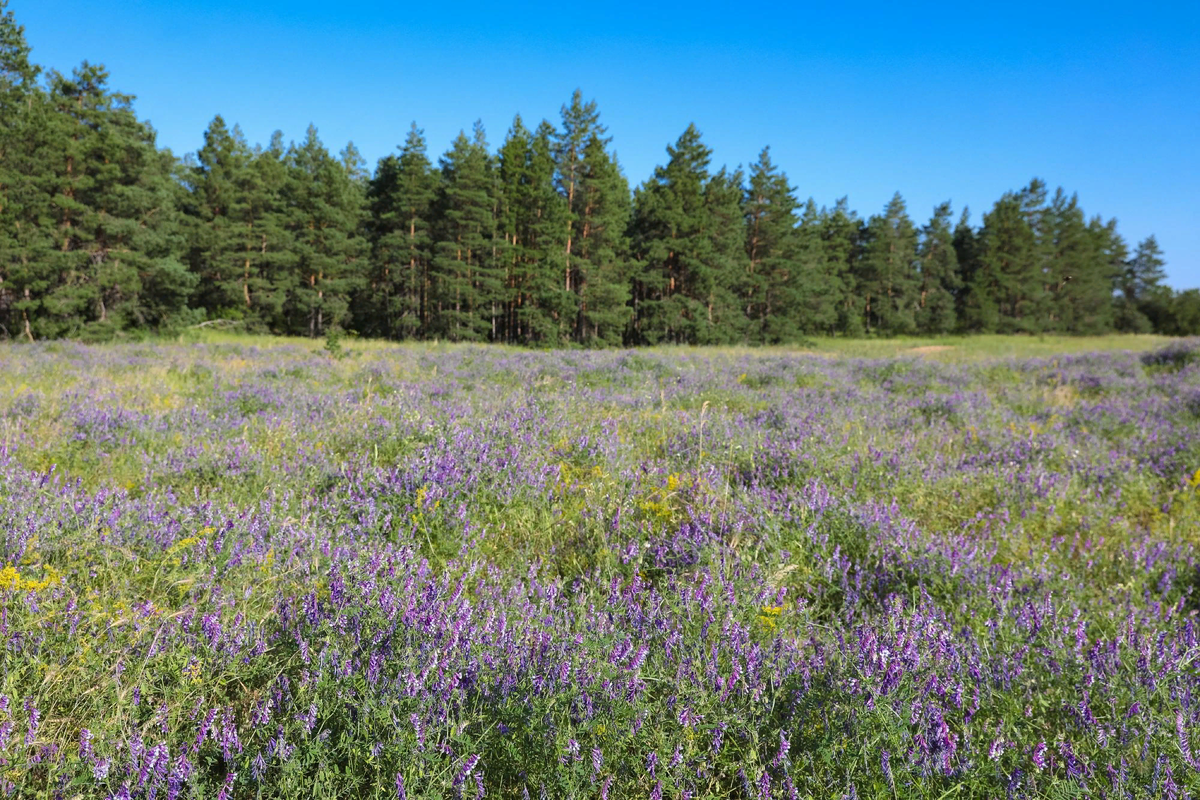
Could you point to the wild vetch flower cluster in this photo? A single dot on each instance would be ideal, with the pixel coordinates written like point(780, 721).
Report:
point(418, 572)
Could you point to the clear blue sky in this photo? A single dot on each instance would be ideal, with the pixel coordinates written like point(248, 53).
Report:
point(939, 101)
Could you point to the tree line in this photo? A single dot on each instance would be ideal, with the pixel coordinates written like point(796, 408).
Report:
point(538, 242)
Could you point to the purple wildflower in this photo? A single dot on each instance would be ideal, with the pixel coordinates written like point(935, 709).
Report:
point(1039, 755)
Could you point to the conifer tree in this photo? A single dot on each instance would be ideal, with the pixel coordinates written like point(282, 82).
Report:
point(817, 288)
point(468, 282)
point(325, 207)
point(602, 213)
point(220, 214)
point(940, 280)
point(725, 322)
point(545, 314)
point(841, 237)
point(115, 225)
point(1080, 275)
point(269, 257)
point(885, 276)
point(672, 227)
point(101, 233)
point(1008, 277)
point(534, 226)
point(977, 312)
point(580, 121)
point(25, 241)
point(769, 291)
point(400, 198)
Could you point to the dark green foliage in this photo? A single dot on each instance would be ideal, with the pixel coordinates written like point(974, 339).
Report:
point(886, 277)
point(594, 269)
point(541, 243)
point(939, 276)
point(324, 216)
point(1141, 300)
point(1084, 265)
point(395, 301)
point(1007, 282)
point(818, 277)
point(534, 226)
point(467, 275)
point(1173, 313)
point(24, 237)
point(112, 219)
point(602, 212)
point(222, 218)
point(841, 238)
point(684, 289)
point(772, 286)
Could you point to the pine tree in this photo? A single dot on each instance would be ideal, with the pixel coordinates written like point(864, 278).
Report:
point(1080, 275)
point(468, 282)
point(25, 273)
point(546, 306)
point(841, 237)
point(325, 214)
point(220, 209)
point(602, 213)
point(1008, 275)
point(400, 197)
point(1142, 299)
point(939, 275)
point(672, 238)
point(726, 323)
point(580, 121)
point(598, 206)
point(268, 242)
point(115, 225)
point(767, 293)
point(817, 290)
point(534, 227)
point(977, 310)
point(885, 275)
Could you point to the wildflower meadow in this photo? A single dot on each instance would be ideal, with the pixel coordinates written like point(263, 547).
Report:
point(263, 569)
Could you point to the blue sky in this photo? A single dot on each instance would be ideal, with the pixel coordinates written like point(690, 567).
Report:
point(945, 101)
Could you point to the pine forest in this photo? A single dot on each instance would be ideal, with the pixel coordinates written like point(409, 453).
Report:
point(540, 241)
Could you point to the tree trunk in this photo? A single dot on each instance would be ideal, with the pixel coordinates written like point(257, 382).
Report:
point(25, 318)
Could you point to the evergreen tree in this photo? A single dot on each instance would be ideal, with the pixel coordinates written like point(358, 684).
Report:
point(768, 291)
point(468, 282)
point(940, 281)
point(222, 222)
point(115, 225)
point(534, 227)
point(817, 289)
point(841, 237)
point(25, 242)
point(1037, 305)
point(602, 213)
point(723, 195)
point(678, 288)
point(1081, 275)
point(547, 227)
point(540, 245)
point(400, 197)
point(598, 207)
point(1144, 271)
point(886, 278)
point(580, 121)
point(325, 212)
point(1140, 299)
point(269, 254)
point(977, 311)
point(1008, 277)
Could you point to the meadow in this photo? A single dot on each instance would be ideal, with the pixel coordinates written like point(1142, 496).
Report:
point(256, 568)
